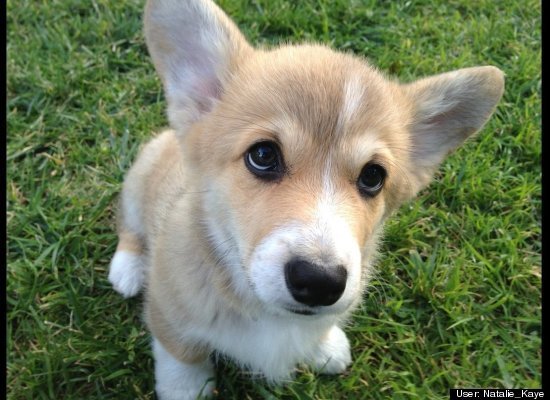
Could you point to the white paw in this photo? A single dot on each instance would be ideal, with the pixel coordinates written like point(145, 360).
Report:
point(127, 273)
point(176, 380)
point(333, 355)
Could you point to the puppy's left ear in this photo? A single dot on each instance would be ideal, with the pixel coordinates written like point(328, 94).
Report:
point(446, 110)
point(195, 48)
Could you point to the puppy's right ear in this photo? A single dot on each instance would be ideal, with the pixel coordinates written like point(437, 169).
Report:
point(194, 47)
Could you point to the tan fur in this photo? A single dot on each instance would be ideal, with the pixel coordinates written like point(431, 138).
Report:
point(330, 113)
point(185, 351)
point(127, 241)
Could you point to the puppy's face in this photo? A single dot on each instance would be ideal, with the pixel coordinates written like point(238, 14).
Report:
point(302, 152)
point(302, 164)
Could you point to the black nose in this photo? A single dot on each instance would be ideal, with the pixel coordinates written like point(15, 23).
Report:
point(315, 285)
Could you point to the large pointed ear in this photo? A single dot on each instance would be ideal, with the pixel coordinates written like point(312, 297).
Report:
point(446, 110)
point(194, 47)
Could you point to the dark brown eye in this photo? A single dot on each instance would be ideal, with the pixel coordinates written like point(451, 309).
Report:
point(371, 179)
point(265, 161)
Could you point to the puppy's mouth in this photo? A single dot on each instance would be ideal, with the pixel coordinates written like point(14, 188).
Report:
point(301, 311)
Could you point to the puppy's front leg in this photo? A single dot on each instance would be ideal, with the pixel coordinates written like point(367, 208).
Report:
point(177, 380)
point(127, 269)
point(333, 354)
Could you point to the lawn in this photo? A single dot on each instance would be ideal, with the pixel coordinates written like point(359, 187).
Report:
point(456, 299)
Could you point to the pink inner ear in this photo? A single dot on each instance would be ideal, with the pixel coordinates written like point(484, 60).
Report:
point(205, 85)
point(205, 92)
point(452, 116)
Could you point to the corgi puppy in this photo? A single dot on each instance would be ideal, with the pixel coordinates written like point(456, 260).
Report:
point(253, 223)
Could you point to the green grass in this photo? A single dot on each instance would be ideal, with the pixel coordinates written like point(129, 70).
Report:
point(456, 300)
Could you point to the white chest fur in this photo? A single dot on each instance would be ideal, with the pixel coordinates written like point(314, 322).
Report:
point(271, 346)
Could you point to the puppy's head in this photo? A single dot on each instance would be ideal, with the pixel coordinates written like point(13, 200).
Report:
point(302, 152)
